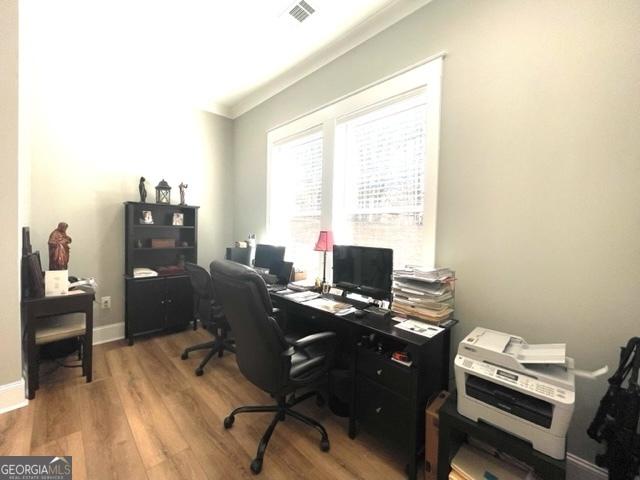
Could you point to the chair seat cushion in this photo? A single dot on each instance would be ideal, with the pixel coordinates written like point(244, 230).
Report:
point(304, 363)
point(52, 329)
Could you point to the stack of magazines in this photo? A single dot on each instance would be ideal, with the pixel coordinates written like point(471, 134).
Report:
point(424, 294)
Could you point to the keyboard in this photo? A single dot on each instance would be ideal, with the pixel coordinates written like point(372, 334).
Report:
point(378, 311)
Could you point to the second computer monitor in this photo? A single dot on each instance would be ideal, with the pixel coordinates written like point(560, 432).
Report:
point(363, 270)
point(269, 256)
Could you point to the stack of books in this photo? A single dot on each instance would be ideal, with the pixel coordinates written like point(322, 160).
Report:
point(424, 294)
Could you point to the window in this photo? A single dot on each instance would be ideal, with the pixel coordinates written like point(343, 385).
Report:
point(383, 154)
point(365, 167)
point(296, 199)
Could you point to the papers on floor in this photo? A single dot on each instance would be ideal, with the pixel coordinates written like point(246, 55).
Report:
point(471, 463)
point(424, 294)
point(419, 328)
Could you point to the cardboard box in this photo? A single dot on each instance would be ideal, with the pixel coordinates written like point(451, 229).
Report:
point(431, 436)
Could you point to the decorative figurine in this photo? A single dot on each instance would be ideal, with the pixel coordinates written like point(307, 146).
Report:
point(59, 248)
point(182, 187)
point(143, 190)
point(163, 192)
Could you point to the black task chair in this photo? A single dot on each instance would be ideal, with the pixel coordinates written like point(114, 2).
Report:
point(238, 254)
point(264, 356)
point(211, 316)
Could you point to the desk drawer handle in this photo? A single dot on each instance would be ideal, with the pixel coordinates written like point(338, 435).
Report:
point(378, 410)
point(379, 372)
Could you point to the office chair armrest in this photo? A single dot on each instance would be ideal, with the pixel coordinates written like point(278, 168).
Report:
point(313, 338)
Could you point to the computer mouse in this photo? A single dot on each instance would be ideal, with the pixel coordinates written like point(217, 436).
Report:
point(359, 313)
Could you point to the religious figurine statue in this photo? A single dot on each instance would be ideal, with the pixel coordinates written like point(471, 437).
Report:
point(143, 190)
point(182, 188)
point(59, 248)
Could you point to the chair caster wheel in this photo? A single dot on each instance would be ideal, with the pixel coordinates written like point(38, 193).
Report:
point(320, 401)
point(228, 422)
point(324, 445)
point(256, 466)
point(199, 372)
point(184, 355)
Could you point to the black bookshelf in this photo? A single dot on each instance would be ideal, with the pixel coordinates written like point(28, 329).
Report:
point(165, 302)
point(137, 233)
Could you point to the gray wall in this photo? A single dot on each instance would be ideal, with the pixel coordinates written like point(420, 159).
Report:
point(89, 196)
point(92, 125)
point(539, 196)
point(9, 245)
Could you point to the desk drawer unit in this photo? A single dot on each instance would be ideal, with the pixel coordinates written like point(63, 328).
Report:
point(382, 411)
point(384, 371)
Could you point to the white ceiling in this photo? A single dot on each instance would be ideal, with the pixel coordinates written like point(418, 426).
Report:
point(224, 56)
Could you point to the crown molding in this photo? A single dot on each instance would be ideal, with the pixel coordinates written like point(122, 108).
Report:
point(369, 27)
point(219, 109)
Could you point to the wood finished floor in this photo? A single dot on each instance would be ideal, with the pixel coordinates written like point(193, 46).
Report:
point(147, 416)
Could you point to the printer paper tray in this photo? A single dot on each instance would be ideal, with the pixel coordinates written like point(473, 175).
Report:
point(511, 401)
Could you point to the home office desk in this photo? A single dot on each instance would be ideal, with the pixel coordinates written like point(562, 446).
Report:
point(387, 399)
point(34, 310)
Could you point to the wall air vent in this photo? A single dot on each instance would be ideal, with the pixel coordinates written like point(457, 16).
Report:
point(301, 11)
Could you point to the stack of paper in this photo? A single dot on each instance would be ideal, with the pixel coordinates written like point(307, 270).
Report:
point(472, 464)
point(422, 294)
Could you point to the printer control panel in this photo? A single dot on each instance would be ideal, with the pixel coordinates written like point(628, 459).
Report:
point(517, 380)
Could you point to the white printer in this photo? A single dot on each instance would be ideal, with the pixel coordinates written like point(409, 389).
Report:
point(526, 390)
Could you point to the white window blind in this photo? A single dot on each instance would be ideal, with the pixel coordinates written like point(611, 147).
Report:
point(365, 167)
point(383, 165)
point(296, 197)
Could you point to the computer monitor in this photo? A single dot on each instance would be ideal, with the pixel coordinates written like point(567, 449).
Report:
point(269, 256)
point(363, 270)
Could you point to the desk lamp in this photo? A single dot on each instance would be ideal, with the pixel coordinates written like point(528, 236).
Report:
point(324, 244)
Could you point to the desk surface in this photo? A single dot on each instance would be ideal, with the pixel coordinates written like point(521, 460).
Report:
point(56, 298)
point(377, 323)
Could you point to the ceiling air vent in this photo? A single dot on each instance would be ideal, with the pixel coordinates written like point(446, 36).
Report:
point(301, 11)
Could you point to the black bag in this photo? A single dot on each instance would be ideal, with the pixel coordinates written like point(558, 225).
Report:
point(616, 421)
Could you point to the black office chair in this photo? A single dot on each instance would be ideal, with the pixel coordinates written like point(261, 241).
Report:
point(211, 316)
point(264, 356)
point(238, 254)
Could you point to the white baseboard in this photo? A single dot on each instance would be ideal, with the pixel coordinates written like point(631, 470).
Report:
point(108, 333)
point(12, 396)
point(580, 469)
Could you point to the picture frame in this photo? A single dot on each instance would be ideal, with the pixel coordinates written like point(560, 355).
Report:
point(147, 217)
point(178, 219)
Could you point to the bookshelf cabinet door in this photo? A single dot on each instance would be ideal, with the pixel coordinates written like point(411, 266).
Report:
point(179, 302)
point(146, 305)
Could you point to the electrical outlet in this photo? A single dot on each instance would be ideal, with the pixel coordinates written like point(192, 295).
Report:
point(105, 302)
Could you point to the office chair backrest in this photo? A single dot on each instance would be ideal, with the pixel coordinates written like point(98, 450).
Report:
point(202, 289)
point(259, 340)
point(240, 255)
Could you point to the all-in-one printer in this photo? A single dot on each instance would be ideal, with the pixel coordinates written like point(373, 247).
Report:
point(527, 390)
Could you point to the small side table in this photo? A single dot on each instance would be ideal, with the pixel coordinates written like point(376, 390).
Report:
point(454, 429)
point(33, 311)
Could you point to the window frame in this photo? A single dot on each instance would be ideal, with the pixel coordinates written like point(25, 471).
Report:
point(426, 79)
